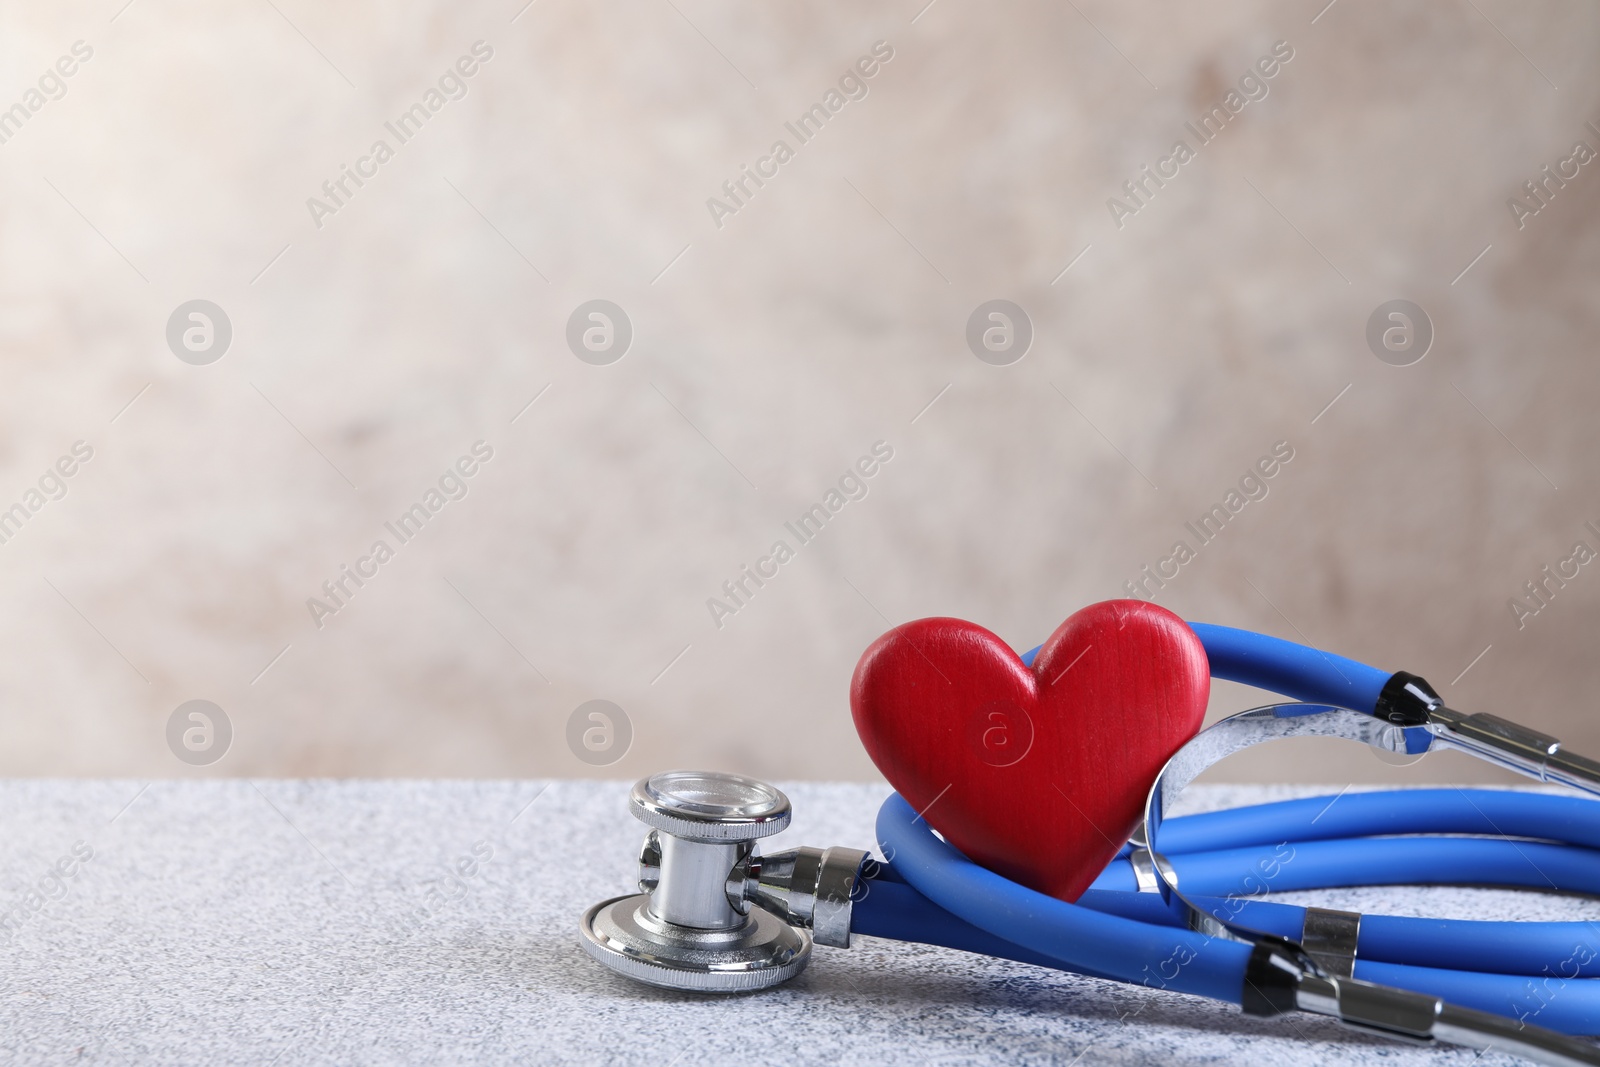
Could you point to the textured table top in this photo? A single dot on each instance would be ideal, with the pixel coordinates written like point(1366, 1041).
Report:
point(297, 922)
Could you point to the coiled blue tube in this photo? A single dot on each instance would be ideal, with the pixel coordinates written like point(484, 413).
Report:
point(895, 910)
point(1530, 950)
point(1295, 671)
point(1522, 970)
point(1389, 861)
point(1081, 939)
point(1499, 812)
point(1571, 1007)
point(1278, 666)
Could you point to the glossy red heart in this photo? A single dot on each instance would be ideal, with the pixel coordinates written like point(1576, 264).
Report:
point(1041, 774)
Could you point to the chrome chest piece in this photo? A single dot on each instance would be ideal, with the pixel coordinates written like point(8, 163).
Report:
point(693, 927)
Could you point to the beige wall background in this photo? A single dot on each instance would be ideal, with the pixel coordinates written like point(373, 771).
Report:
point(827, 314)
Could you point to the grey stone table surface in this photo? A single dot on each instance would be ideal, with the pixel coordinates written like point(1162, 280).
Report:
point(301, 922)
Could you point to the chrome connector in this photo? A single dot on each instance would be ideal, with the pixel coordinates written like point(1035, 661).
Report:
point(1418, 716)
point(1421, 1019)
point(1282, 977)
point(1330, 937)
point(812, 888)
point(1395, 1013)
point(1515, 747)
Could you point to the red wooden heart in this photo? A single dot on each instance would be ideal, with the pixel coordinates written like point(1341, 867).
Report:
point(1039, 775)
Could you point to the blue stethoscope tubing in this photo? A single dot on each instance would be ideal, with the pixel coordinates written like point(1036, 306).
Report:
point(1537, 972)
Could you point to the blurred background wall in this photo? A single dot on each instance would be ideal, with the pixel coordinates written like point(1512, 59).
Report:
point(376, 339)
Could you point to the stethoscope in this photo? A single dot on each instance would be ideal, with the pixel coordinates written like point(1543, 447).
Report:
point(1182, 906)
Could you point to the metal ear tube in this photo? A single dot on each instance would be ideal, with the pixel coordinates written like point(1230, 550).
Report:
point(714, 915)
